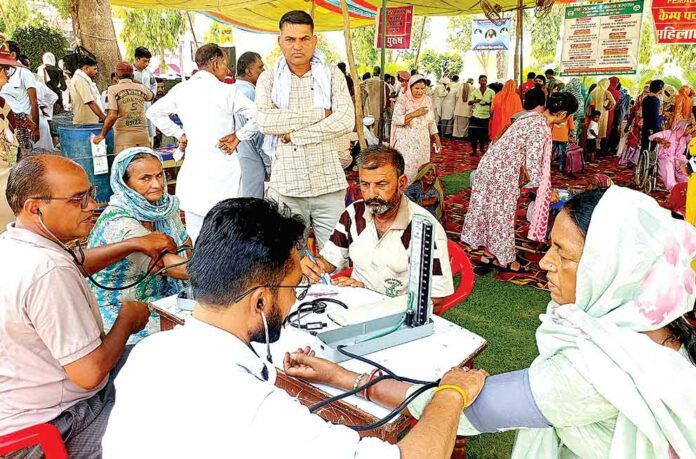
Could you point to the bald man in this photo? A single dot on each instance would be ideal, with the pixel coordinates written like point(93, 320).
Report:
point(56, 360)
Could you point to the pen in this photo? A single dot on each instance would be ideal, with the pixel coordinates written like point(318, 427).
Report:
point(325, 278)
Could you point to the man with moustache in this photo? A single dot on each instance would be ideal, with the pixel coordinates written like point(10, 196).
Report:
point(374, 234)
point(56, 363)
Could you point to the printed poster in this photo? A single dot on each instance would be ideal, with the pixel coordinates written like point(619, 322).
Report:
point(399, 23)
point(487, 36)
point(601, 39)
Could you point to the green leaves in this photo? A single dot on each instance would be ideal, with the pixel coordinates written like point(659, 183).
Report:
point(158, 30)
point(440, 65)
point(34, 41)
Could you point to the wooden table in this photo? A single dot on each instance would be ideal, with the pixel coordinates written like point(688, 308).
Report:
point(425, 359)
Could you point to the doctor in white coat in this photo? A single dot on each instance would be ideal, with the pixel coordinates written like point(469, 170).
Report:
point(207, 107)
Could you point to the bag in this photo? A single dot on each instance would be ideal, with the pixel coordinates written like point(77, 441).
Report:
point(574, 163)
point(73, 61)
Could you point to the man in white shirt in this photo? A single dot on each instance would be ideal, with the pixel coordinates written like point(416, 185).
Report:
point(145, 77)
point(207, 109)
point(373, 235)
point(202, 387)
point(20, 94)
point(55, 359)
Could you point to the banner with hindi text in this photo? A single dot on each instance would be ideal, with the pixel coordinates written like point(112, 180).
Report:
point(675, 21)
point(399, 23)
point(601, 38)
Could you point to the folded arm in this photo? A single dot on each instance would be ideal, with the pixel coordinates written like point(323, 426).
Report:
point(276, 121)
point(159, 113)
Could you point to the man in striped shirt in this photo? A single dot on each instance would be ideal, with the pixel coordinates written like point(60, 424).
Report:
point(373, 235)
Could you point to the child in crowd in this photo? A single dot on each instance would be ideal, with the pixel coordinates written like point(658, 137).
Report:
point(592, 131)
point(561, 134)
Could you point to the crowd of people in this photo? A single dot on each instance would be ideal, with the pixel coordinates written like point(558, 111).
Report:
point(262, 165)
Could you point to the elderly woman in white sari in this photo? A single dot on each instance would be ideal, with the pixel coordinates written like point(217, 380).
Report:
point(616, 367)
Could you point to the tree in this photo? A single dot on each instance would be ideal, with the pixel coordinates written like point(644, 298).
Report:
point(15, 14)
point(366, 55)
point(546, 34)
point(219, 34)
point(459, 35)
point(35, 41)
point(440, 65)
point(94, 29)
point(420, 32)
point(158, 30)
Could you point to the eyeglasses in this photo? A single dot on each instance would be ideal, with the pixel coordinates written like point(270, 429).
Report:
point(81, 199)
point(301, 289)
point(8, 69)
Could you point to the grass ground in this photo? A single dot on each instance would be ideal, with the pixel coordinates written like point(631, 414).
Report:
point(506, 315)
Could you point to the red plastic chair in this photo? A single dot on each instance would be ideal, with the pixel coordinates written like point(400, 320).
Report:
point(460, 264)
point(45, 435)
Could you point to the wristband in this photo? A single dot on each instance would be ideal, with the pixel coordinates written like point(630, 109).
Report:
point(375, 373)
point(461, 391)
point(358, 379)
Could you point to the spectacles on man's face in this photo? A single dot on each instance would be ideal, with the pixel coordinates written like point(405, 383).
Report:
point(82, 199)
point(8, 69)
point(301, 289)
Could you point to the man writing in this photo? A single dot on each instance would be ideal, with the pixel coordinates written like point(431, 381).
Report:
point(252, 160)
point(86, 100)
point(55, 359)
point(304, 107)
point(207, 109)
point(246, 276)
point(20, 94)
point(126, 106)
point(374, 234)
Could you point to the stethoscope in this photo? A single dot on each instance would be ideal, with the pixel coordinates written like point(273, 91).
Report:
point(316, 306)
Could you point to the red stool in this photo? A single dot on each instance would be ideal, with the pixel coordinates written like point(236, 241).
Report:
point(45, 435)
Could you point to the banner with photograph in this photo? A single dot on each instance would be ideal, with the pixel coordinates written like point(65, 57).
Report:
point(601, 39)
point(487, 36)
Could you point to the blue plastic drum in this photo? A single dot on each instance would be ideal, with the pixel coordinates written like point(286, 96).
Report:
point(75, 144)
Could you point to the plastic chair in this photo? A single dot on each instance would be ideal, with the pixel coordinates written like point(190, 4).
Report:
point(45, 435)
point(460, 264)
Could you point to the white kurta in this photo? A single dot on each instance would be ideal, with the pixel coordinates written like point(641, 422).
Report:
point(206, 108)
point(449, 101)
point(46, 99)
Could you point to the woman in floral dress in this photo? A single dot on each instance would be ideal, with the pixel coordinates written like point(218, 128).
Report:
point(521, 156)
point(414, 127)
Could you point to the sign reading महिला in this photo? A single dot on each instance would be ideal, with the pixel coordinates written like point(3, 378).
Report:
point(675, 21)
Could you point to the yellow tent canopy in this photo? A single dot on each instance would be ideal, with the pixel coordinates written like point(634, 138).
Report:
point(263, 15)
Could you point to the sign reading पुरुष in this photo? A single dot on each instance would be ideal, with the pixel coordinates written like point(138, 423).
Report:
point(399, 23)
point(675, 21)
point(601, 39)
point(487, 36)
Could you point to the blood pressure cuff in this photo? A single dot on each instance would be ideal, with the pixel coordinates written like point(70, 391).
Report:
point(505, 403)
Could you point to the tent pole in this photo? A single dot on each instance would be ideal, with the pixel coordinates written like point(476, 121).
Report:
point(193, 32)
point(380, 128)
point(420, 42)
point(519, 26)
point(354, 75)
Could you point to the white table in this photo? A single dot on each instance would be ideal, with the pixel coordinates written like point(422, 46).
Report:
point(425, 359)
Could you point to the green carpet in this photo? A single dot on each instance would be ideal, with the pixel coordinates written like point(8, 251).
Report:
point(454, 183)
point(506, 315)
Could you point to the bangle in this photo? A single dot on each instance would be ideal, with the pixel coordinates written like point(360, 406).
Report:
point(461, 391)
point(358, 378)
point(373, 374)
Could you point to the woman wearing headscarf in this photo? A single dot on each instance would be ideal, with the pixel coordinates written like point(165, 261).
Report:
point(505, 104)
point(574, 87)
point(683, 105)
point(521, 156)
point(671, 156)
point(616, 94)
point(140, 205)
point(615, 373)
point(427, 191)
point(602, 101)
point(631, 151)
point(413, 127)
